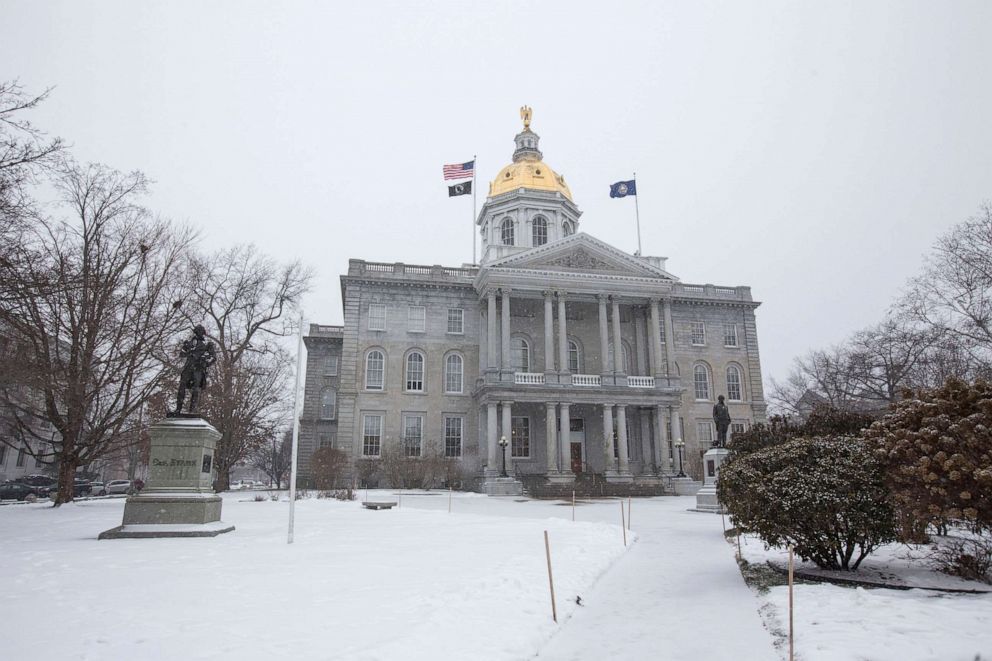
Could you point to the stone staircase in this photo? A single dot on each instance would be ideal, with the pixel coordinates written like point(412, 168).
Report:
point(592, 485)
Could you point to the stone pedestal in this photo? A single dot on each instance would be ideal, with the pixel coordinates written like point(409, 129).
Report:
point(706, 499)
point(503, 486)
point(685, 486)
point(178, 499)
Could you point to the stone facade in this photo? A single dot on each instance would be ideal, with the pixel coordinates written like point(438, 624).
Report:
point(558, 331)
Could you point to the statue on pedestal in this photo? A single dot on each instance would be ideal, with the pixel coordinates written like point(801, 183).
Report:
point(721, 416)
point(199, 355)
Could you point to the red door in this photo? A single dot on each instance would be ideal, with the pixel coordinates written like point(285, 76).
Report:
point(576, 458)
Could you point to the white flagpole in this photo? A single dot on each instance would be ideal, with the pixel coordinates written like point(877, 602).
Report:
point(296, 433)
point(475, 166)
point(637, 213)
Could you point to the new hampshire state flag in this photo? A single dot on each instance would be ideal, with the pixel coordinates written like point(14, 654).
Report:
point(623, 188)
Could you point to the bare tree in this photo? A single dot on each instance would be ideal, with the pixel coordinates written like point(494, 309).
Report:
point(94, 305)
point(243, 297)
point(275, 460)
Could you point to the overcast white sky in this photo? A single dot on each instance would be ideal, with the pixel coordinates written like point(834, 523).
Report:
point(813, 151)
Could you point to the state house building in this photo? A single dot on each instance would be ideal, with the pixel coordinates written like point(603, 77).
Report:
point(590, 361)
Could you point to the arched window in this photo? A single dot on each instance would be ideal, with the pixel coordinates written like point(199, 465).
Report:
point(625, 352)
point(375, 370)
point(520, 354)
point(573, 357)
point(415, 371)
point(506, 232)
point(734, 391)
point(540, 231)
point(328, 402)
point(701, 381)
point(567, 228)
point(453, 373)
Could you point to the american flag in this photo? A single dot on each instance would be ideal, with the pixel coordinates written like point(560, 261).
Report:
point(459, 170)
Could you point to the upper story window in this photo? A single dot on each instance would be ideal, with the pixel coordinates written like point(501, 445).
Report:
point(573, 357)
point(377, 316)
point(456, 321)
point(734, 390)
point(453, 373)
point(730, 335)
point(698, 333)
point(416, 316)
point(701, 381)
point(22, 456)
point(704, 431)
point(540, 231)
point(567, 228)
point(415, 372)
point(330, 365)
point(661, 331)
point(328, 404)
point(625, 355)
point(375, 370)
point(520, 354)
point(506, 232)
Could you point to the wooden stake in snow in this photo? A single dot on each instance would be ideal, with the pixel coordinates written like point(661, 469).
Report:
point(723, 520)
point(401, 501)
point(573, 504)
point(449, 500)
point(623, 524)
point(551, 580)
point(791, 644)
point(628, 512)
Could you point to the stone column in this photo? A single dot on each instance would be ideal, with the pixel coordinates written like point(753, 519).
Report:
point(507, 428)
point(660, 443)
point(604, 336)
point(483, 343)
point(639, 343)
point(622, 439)
point(491, 437)
point(617, 341)
point(648, 455)
point(654, 328)
point(549, 334)
point(669, 338)
point(505, 329)
point(551, 432)
point(610, 466)
point(566, 445)
point(491, 329)
point(562, 336)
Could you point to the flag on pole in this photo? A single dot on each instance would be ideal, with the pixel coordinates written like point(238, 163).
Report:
point(460, 170)
point(623, 188)
point(463, 188)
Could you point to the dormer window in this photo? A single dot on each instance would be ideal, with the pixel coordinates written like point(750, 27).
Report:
point(567, 228)
point(540, 231)
point(506, 232)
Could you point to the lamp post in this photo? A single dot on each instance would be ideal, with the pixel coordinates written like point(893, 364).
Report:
point(502, 445)
point(681, 446)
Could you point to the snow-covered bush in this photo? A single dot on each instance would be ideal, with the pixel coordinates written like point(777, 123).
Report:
point(936, 448)
point(327, 467)
point(824, 495)
point(967, 557)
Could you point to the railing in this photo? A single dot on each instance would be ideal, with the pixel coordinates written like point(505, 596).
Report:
point(528, 378)
point(640, 381)
point(380, 268)
point(586, 380)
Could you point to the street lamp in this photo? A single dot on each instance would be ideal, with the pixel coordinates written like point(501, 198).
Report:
point(680, 444)
point(502, 445)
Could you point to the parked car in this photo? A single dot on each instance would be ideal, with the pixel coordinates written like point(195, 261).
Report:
point(98, 489)
point(41, 484)
point(17, 491)
point(80, 487)
point(117, 486)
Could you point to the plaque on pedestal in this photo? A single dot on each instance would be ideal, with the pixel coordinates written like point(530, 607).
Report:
point(706, 498)
point(178, 499)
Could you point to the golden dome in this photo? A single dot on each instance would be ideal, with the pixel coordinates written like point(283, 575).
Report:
point(535, 175)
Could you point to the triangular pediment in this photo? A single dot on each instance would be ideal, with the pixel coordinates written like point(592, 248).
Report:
point(581, 253)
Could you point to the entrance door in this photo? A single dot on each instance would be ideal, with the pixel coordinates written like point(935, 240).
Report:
point(577, 439)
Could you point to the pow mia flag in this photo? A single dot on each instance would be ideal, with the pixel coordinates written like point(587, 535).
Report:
point(464, 188)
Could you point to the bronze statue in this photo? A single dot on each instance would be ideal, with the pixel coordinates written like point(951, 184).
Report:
point(199, 355)
point(721, 416)
point(525, 114)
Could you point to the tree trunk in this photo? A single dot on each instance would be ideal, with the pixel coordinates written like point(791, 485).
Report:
point(67, 481)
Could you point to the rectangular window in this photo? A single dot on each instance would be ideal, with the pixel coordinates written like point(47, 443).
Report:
point(698, 333)
point(662, 333)
point(330, 365)
point(520, 445)
point(453, 436)
point(372, 435)
point(704, 431)
point(22, 456)
point(416, 316)
point(3, 454)
point(413, 435)
point(737, 428)
point(730, 335)
point(325, 440)
point(456, 321)
point(377, 316)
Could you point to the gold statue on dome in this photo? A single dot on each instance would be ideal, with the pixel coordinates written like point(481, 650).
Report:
point(525, 114)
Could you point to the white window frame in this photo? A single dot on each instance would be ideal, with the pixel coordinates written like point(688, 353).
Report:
point(418, 418)
point(447, 374)
point(366, 436)
point(740, 384)
point(740, 424)
point(416, 319)
point(326, 439)
point(539, 222)
point(448, 436)
point(382, 372)
point(575, 367)
point(695, 383)
point(710, 432)
point(699, 326)
point(423, 373)
point(732, 336)
point(460, 318)
point(507, 229)
point(661, 331)
point(333, 404)
point(514, 435)
point(526, 353)
point(330, 365)
point(377, 317)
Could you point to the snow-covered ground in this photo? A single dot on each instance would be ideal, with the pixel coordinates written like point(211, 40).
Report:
point(418, 583)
